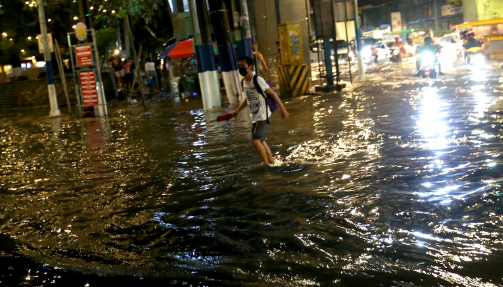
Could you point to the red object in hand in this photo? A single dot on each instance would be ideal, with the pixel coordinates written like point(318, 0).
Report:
point(225, 117)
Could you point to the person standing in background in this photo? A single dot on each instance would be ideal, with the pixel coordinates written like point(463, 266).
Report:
point(158, 74)
point(261, 64)
point(150, 70)
point(278, 57)
point(127, 80)
point(116, 62)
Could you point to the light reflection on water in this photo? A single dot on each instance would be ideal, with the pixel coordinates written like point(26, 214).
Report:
point(391, 184)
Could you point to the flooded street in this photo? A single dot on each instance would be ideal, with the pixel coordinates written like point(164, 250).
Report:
point(392, 183)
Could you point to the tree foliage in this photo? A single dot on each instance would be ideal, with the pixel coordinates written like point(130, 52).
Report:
point(150, 24)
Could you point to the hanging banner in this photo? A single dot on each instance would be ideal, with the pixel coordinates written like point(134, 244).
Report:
point(396, 21)
point(88, 87)
point(41, 43)
point(81, 31)
point(84, 55)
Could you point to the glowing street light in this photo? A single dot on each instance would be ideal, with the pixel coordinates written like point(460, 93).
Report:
point(22, 50)
point(4, 34)
point(117, 51)
point(75, 18)
point(29, 38)
point(49, 20)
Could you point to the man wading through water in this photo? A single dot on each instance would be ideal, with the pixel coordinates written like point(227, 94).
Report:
point(257, 91)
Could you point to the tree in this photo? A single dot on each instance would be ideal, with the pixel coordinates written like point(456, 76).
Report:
point(149, 24)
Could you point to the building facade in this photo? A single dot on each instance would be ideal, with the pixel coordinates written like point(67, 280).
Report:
point(416, 14)
point(477, 10)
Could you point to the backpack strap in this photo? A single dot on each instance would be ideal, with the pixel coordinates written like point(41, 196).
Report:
point(257, 86)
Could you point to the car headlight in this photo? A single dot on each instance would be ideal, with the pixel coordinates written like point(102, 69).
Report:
point(427, 58)
point(367, 52)
point(479, 59)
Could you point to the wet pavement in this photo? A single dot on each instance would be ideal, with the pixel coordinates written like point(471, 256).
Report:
point(392, 183)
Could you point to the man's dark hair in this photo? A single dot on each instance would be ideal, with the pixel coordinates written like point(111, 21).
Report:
point(248, 60)
point(277, 42)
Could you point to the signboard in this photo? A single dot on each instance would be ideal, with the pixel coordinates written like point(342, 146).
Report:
point(84, 55)
point(41, 43)
point(81, 31)
point(396, 21)
point(88, 86)
point(448, 10)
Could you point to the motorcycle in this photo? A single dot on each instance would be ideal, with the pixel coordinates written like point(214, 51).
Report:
point(475, 56)
point(429, 65)
point(395, 55)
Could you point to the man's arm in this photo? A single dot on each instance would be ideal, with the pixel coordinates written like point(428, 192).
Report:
point(261, 58)
point(240, 108)
point(284, 113)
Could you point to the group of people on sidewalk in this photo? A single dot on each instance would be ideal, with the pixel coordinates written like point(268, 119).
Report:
point(125, 69)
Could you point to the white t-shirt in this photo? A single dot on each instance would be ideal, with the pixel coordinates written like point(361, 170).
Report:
point(150, 66)
point(258, 108)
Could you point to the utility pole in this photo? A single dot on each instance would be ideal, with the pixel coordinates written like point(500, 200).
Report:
point(206, 68)
point(53, 99)
point(218, 18)
point(245, 44)
point(361, 67)
point(84, 13)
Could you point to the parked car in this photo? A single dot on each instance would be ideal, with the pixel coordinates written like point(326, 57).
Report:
point(342, 48)
point(384, 49)
point(451, 45)
point(411, 50)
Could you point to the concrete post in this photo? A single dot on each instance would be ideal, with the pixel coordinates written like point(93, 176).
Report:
point(53, 100)
point(218, 18)
point(206, 68)
point(245, 44)
point(361, 67)
point(328, 61)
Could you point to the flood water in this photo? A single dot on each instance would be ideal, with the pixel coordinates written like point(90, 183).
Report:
point(395, 183)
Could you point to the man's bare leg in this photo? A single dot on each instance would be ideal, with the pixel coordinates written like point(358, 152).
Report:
point(261, 150)
point(268, 152)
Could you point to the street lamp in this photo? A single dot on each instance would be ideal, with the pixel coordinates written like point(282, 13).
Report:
point(4, 34)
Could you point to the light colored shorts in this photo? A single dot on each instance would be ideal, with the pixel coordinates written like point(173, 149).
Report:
point(119, 74)
point(259, 130)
